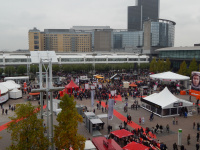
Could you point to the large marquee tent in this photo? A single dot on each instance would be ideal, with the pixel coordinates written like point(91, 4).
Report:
point(164, 103)
point(4, 94)
point(169, 76)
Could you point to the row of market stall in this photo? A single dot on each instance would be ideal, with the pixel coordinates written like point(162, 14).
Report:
point(9, 89)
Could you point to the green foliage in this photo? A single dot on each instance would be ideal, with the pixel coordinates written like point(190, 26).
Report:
point(183, 68)
point(167, 65)
point(1, 71)
point(34, 69)
point(193, 66)
point(21, 70)
point(65, 133)
point(153, 66)
point(144, 66)
point(10, 70)
point(27, 131)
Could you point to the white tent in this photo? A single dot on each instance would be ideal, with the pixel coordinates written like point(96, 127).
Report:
point(10, 85)
point(15, 93)
point(89, 145)
point(4, 94)
point(164, 103)
point(169, 76)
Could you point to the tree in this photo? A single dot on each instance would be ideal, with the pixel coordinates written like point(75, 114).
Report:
point(153, 65)
point(183, 68)
point(34, 69)
point(167, 65)
point(193, 66)
point(65, 133)
point(21, 69)
point(27, 131)
point(9, 70)
point(1, 71)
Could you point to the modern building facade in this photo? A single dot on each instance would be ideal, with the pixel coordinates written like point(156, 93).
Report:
point(158, 34)
point(60, 40)
point(144, 9)
point(179, 54)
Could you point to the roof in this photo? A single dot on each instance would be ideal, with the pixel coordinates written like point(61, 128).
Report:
point(179, 48)
point(165, 99)
point(99, 143)
point(89, 145)
point(133, 84)
point(10, 85)
point(169, 76)
point(121, 133)
point(135, 146)
point(71, 85)
point(3, 89)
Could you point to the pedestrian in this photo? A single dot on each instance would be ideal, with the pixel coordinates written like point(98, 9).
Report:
point(2, 111)
point(9, 106)
point(175, 147)
point(140, 120)
point(194, 125)
point(173, 120)
point(197, 146)
point(6, 111)
point(102, 109)
point(94, 111)
point(182, 147)
point(197, 137)
point(188, 139)
point(176, 120)
point(167, 128)
point(143, 120)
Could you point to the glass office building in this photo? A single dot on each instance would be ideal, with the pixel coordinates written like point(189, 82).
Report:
point(144, 9)
point(123, 39)
point(179, 54)
point(162, 33)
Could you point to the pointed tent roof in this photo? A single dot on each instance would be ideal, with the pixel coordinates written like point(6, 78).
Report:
point(71, 85)
point(166, 99)
point(135, 146)
point(170, 76)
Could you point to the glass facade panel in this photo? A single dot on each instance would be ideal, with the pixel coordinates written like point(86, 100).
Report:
point(1, 60)
point(133, 59)
point(15, 60)
point(72, 59)
point(117, 59)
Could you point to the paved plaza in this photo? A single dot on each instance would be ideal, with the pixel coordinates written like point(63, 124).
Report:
point(186, 124)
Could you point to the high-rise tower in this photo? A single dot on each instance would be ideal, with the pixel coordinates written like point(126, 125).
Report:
point(144, 9)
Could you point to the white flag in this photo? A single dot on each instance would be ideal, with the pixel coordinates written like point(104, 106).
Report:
point(110, 108)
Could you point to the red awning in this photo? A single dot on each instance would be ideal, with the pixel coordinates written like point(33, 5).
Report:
point(34, 93)
point(135, 146)
point(102, 143)
point(71, 85)
point(121, 133)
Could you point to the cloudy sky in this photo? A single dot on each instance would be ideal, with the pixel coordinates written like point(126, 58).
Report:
point(18, 16)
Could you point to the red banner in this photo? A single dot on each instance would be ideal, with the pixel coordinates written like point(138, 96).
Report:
point(194, 93)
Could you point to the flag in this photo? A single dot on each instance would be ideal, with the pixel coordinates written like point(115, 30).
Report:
point(110, 108)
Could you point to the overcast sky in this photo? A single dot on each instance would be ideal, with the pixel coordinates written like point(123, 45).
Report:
point(18, 16)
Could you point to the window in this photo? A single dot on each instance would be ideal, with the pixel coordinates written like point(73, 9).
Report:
point(36, 42)
point(36, 37)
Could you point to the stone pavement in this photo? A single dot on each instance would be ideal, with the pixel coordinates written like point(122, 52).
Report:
point(168, 138)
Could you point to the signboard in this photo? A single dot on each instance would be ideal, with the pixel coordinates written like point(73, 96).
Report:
point(178, 104)
point(195, 84)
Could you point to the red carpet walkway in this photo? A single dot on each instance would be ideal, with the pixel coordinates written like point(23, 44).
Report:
point(123, 118)
point(4, 126)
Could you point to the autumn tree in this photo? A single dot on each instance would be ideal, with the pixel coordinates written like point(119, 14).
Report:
point(65, 133)
point(167, 65)
point(153, 65)
point(193, 66)
point(27, 131)
point(183, 68)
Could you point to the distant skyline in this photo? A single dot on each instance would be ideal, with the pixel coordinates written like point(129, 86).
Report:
point(17, 17)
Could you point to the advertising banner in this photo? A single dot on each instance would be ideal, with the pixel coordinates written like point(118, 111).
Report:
point(111, 103)
point(195, 81)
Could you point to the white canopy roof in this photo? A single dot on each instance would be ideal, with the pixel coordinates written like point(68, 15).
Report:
point(169, 76)
point(10, 85)
point(96, 121)
point(166, 99)
point(3, 89)
point(15, 90)
point(89, 145)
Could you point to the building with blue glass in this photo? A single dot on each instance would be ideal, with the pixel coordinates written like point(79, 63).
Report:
point(179, 54)
point(158, 34)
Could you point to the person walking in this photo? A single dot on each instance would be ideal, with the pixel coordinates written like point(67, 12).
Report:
point(143, 120)
point(188, 139)
point(6, 111)
point(194, 125)
point(175, 147)
point(197, 146)
point(167, 128)
point(2, 111)
point(197, 137)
